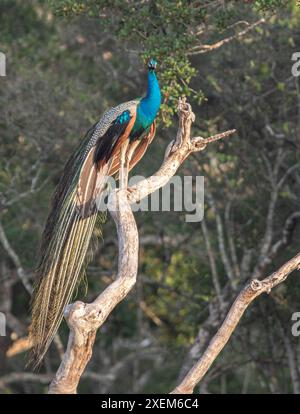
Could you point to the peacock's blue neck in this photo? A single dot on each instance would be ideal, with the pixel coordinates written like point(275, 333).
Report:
point(147, 108)
point(150, 104)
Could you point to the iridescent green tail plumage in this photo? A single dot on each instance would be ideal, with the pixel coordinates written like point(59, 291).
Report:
point(64, 249)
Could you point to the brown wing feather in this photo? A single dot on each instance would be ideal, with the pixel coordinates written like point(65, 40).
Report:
point(142, 147)
point(137, 154)
point(92, 176)
point(115, 166)
point(87, 179)
point(125, 136)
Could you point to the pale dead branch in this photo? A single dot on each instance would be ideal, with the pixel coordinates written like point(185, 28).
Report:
point(212, 262)
point(203, 48)
point(15, 259)
point(247, 295)
point(221, 237)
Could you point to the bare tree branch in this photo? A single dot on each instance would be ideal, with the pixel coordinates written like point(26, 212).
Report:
point(221, 238)
point(231, 239)
point(15, 259)
point(287, 233)
point(246, 296)
point(292, 360)
point(212, 262)
point(200, 49)
point(268, 235)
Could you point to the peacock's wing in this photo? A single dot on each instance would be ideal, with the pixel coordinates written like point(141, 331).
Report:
point(143, 145)
point(101, 155)
point(138, 153)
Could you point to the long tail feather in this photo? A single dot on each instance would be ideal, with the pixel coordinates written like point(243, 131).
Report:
point(65, 245)
point(71, 222)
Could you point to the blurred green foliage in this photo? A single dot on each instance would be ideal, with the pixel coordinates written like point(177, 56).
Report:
point(168, 30)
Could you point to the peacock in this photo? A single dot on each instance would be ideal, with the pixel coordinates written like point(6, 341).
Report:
point(123, 132)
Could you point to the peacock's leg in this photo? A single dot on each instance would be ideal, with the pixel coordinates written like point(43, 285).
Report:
point(123, 166)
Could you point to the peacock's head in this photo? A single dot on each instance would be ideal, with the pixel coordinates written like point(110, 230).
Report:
point(152, 64)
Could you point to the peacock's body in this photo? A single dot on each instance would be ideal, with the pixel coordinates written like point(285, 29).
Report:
point(128, 127)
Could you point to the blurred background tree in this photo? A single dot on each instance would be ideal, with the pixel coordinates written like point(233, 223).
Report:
point(69, 60)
